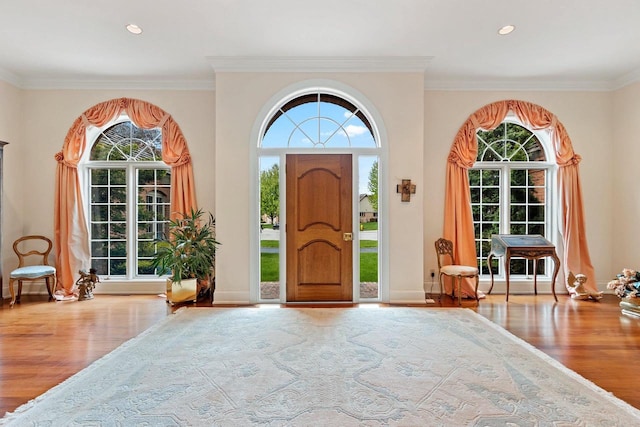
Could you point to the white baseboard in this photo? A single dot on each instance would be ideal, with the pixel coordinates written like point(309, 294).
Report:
point(231, 297)
point(406, 297)
point(130, 287)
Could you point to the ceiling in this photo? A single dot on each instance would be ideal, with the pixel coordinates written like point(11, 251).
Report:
point(557, 44)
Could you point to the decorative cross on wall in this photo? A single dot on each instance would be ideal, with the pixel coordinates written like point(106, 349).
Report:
point(406, 189)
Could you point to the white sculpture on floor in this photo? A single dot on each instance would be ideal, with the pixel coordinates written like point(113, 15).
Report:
point(579, 291)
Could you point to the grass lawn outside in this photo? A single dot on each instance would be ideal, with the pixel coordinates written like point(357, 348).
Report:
point(276, 243)
point(269, 267)
point(369, 267)
point(270, 262)
point(368, 226)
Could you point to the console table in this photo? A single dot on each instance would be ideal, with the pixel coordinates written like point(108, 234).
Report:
point(532, 247)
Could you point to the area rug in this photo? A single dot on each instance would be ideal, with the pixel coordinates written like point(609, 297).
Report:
point(325, 367)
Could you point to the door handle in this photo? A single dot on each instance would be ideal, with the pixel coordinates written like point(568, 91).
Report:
point(347, 237)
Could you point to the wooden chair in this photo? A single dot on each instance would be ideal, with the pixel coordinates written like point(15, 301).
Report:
point(447, 266)
point(27, 248)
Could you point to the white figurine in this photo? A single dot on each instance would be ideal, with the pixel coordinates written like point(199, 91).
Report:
point(580, 292)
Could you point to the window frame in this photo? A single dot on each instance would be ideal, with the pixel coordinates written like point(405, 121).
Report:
point(551, 199)
point(377, 149)
point(131, 168)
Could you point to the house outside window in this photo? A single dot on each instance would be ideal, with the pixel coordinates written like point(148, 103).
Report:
point(367, 213)
point(510, 192)
point(129, 195)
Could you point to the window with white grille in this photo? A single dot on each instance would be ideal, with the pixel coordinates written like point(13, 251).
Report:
point(510, 192)
point(129, 199)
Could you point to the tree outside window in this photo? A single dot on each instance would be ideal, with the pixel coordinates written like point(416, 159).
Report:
point(509, 191)
point(270, 193)
point(129, 204)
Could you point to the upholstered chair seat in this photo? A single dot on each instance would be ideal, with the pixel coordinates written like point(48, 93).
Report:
point(459, 270)
point(32, 272)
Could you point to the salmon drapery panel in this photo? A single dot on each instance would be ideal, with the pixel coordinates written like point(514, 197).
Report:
point(458, 218)
point(71, 234)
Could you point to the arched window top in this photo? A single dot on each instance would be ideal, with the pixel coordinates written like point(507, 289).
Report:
point(318, 120)
point(509, 142)
point(126, 142)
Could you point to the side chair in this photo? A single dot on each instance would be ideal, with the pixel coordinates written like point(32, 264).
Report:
point(447, 266)
point(30, 248)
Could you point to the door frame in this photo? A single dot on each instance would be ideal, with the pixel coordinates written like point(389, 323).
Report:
point(383, 258)
point(255, 152)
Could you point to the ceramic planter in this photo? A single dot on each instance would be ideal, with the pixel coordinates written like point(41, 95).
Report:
point(184, 291)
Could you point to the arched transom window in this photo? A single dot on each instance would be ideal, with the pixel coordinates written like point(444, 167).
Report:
point(509, 186)
point(127, 142)
point(318, 120)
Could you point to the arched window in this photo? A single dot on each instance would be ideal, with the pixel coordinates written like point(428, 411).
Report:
point(509, 185)
point(318, 120)
point(458, 218)
point(129, 196)
point(72, 175)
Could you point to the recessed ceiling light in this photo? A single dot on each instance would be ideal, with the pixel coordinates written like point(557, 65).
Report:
point(134, 29)
point(506, 30)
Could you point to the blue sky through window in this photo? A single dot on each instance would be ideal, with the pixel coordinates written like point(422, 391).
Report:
point(318, 124)
point(314, 124)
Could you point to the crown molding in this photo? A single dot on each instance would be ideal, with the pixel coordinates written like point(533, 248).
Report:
point(627, 79)
point(11, 78)
point(322, 64)
point(106, 84)
point(136, 84)
point(518, 85)
point(319, 64)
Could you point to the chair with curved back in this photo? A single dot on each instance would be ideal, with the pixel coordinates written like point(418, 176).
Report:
point(28, 249)
point(444, 253)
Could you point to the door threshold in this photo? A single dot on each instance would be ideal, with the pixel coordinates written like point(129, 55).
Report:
point(320, 304)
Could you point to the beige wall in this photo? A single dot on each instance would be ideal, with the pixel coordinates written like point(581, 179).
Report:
point(588, 119)
point(419, 125)
point(240, 97)
point(44, 120)
point(11, 131)
point(624, 207)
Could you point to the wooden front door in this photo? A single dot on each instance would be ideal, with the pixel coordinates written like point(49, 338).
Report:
point(319, 228)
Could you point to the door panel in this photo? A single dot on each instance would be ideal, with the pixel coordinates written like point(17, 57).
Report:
point(319, 259)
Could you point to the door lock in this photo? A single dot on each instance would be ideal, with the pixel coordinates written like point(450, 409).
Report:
point(347, 237)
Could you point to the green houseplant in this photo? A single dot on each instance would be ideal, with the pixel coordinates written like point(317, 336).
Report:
point(188, 255)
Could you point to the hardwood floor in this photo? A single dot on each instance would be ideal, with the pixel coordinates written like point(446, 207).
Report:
point(43, 343)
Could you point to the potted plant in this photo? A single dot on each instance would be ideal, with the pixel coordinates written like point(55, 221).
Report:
point(188, 255)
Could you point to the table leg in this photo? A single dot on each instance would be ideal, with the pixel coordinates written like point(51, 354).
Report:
point(556, 268)
point(507, 259)
point(490, 271)
point(535, 276)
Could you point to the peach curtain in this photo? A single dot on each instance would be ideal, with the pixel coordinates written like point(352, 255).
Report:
point(458, 220)
point(70, 225)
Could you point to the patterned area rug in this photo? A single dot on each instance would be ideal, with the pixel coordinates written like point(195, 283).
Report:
point(325, 366)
